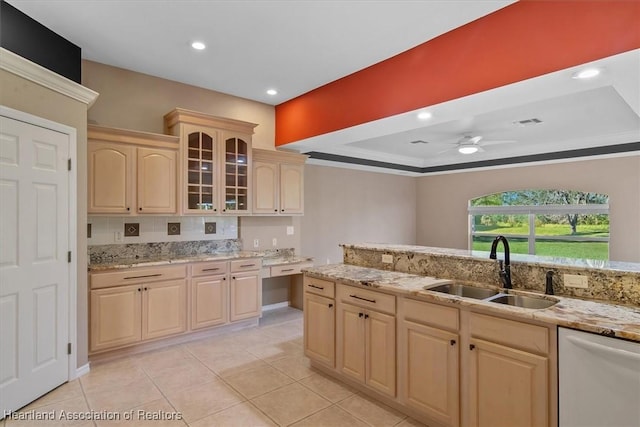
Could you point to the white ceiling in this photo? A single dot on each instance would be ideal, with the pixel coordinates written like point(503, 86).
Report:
point(296, 46)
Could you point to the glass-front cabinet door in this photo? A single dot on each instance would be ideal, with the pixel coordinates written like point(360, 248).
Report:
point(201, 172)
point(236, 175)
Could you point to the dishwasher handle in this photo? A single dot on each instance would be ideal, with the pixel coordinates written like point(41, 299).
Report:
point(623, 355)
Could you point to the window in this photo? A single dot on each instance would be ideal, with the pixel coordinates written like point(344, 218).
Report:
point(557, 223)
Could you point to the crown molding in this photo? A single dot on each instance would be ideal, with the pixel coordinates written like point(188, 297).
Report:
point(29, 70)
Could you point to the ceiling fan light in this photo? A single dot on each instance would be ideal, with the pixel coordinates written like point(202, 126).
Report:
point(467, 149)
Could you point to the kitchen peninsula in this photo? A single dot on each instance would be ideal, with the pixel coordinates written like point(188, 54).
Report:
point(377, 323)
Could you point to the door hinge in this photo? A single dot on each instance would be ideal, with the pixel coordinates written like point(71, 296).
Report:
point(69, 164)
point(69, 256)
point(68, 348)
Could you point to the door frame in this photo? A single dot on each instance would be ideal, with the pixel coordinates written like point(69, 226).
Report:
point(73, 221)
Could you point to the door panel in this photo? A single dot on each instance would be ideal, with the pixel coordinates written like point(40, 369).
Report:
point(350, 341)
point(34, 271)
point(380, 330)
point(156, 175)
point(164, 309)
point(319, 327)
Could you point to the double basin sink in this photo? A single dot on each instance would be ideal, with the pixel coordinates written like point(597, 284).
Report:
point(491, 295)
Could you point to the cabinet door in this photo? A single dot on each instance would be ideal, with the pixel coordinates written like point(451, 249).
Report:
point(110, 178)
point(350, 344)
point(508, 387)
point(246, 296)
point(291, 189)
point(380, 338)
point(209, 301)
point(430, 371)
point(115, 317)
point(236, 174)
point(265, 188)
point(319, 329)
point(200, 179)
point(156, 176)
point(164, 308)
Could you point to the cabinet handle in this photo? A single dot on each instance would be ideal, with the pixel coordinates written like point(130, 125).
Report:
point(247, 265)
point(281, 210)
point(275, 210)
point(210, 269)
point(224, 210)
point(360, 314)
point(139, 209)
point(317, 287)
point(288, 269)
point(472, 346)
point(453, 342)
point(364, 299)
point(146, 289)
point(128, 209)
point(233, 277)
point(142, 277)
point(224, 278)
point(330, 305)
point(215, 210)
point(139, 290)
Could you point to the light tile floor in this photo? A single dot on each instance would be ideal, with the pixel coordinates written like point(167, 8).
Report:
point(254, 377)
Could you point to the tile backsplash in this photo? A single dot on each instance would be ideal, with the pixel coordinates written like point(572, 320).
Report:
point(111, 230)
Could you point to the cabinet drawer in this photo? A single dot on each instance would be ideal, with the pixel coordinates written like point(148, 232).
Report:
point(516, 334)
point(287, 269)
point(137, 275)
point(209, 268)
point(430, 314)
point(366, 298)
point(319, 286)
point(246, 264)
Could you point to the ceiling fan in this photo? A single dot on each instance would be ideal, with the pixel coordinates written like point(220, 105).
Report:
point(469, 144)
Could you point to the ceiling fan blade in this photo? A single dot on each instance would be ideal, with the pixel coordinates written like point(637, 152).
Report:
point(498, 142)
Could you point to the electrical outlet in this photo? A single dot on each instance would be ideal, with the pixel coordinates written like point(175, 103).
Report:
point(117, 236)
point(576, 281)
point(387, 259)
point(256, 243)
point(290, 230)
point(274, 242)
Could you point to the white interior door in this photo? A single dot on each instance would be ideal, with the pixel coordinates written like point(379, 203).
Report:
point(34, 269)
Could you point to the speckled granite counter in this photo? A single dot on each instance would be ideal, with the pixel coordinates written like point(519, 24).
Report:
point(167, 260)
point(607, 319)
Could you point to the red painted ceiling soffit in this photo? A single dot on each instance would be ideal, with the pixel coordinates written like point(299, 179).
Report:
point(521, 41)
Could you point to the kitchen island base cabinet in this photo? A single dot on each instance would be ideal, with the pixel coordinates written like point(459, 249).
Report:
point(366, 338)
point(319, 328)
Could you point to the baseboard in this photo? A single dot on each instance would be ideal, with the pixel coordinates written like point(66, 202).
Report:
point(275, 306)
point(82, 370)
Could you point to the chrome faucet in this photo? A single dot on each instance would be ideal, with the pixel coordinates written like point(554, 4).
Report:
point(505, 269)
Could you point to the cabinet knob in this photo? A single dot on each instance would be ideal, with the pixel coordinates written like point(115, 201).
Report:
point(128, 209)
point(215, 210)
point(472, 346)
point(224, 278)
point(330, 305)
point(275, 210)
point(453, 342)
point(233, 277)
point(224, 210)
point(281, 210)
point(139, 290)
point(366, 316)
point(360, 314)
point(146, 289)
point(139, 209)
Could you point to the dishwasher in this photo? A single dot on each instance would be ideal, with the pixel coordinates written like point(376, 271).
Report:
point(598, 380)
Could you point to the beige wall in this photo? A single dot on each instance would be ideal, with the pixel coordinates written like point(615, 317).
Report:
point(23, 95)
point(138, 101)
point(350, 206)
point(443, 199)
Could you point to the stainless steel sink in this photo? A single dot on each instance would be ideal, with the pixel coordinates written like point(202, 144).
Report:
point(463, 290)
point(524, 301)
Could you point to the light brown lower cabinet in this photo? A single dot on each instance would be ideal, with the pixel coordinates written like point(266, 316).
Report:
point(319, 328)
point(128, 314)
point(245, 295)
point(366, 347)
point(209, 296)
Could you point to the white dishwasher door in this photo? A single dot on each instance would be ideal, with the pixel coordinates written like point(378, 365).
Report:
point(599, 380)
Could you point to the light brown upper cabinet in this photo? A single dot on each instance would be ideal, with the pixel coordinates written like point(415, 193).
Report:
point(131, 172)
point(278, 182)
point(216, 159)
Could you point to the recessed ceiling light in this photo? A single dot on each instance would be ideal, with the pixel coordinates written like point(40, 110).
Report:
point(587, 73)
point(424, 115)
point(272, 92)
point(198, 45)
point(467, 149)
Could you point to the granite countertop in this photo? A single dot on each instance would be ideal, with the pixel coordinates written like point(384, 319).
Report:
point(168, 260)
point(592, 316)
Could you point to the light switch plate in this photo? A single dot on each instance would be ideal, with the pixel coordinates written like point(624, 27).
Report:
point(575, 281)
point(387, 259)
